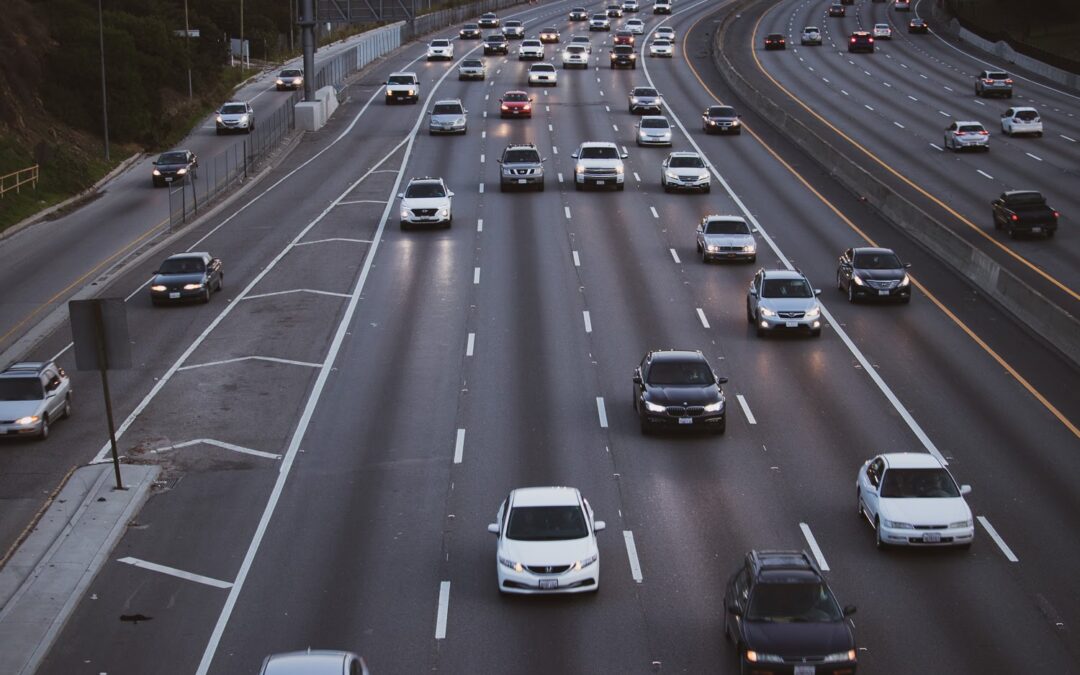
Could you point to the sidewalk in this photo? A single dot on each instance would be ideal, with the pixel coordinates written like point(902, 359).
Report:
point(46, 577)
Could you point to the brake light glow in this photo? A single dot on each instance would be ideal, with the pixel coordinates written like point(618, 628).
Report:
point(1009, 81)
point(1014, 217)
point(984, 132)
point(1056, 214)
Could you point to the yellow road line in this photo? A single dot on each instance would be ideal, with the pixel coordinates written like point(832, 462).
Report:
point(945, 310)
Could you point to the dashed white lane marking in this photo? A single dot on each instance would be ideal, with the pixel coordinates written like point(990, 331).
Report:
point(825, 80)
point(485, 117)
point(476, 275)
point(1009, 555)
point(547, 108)
point(844, 93)
point(577, 259)
point(746, 409)
point(624, 150)
point(459, 446)
point(481, 188)
point(1071, 140)
point(985, 174)
point(601, 92)
point(631, 553)
point(588, 321)
point(470, 344)
point(814, 548)
point(566, 210)
point(601, 411)
point(615, 127)
point(487, 97)
point(899, 125)
point(607, 108)
point(173, 572)
point(551, 128)
point(912, 98)
point(554, 150)
point(1038, 159)
point(903, 65)
point(866, 72)
point(942, 112)
point(887, 84)
point(637, 177)
point(979, 102)
point(923, 76)
point(444, 607)
point(868, 107)
point(937, 148)
point(481, 158)
point(675, 256)
point(483, 134)
point(654, 213)
point(948, 88)
point(701, 315)
point(560, 177)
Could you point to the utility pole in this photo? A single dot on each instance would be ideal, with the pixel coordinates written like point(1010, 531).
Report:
point(307, 38)
point(243, 63)
point(187, 41)
point(104, 97)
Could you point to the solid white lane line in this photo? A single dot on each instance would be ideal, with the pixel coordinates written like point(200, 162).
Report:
point(588, 321)
point(746, 409)
point(607, 108)
point(601, 411)
point(566, 210)
point(814, 548)
point(1033, 156)
point(332, 240)
point(1009, 555)
point(675, 256)
point(1071, 140)
point(470, 345)
point(172, 571)
point(899, 125)
point(985, 174)
point(631, 553)
point(560, 177)
point(577, 260)
point(637, 177)
point(459, 446)
point(444, 607)
point(479, 224)
point(701, 315)
point(313, 291)
point(476, 275)
point(362, 201)
point(654, 213)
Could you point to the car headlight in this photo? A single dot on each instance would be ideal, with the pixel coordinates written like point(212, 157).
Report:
point(579, 169)
point(671, 175)
point(404, 213)
point(712, 123)
point(713, 249)
point(243, 119)
point(506, 562)
point(633, 56)
point(218, 119)
point(585, 562)
point(619, 169)
point(181, 172)
point(758, 657)
point(897, 525)
point(857, 279)
point(193, 287)
point(29, 419)
point(765, 311)
point(849, 655)
point(444, 213)
point(749, 248)
point(906, 281)
point(715, 407)
point(156, 172)
point(961, 523)
point(735, 123)
point(298, 80)
point(279, 82)
point(813, 313)
point(655, 407)
point(158, 288)
point(411, 92)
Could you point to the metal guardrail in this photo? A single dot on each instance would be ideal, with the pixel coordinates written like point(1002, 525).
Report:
point(17, 179)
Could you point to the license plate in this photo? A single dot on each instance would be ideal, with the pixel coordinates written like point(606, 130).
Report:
point(522, 181)
point(548, 584)
point(174, 296)
point(599, 182)
point(882, 292)
point(168, 180)
point(804, 670)
point(686, 420)
point(792, 324)
point(1036, 230)
point(931, 537)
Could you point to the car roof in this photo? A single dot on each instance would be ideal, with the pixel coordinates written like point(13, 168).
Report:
point(872, 250)
point(676, 356)
point(198, 255)
point(545, 496)
point(685, 153)
point(783, 274)
point(1024, 108)
point(960, 122)
point(814, 28)
point(448, 101)
point(314, 662)
point(637, 89)
point(403, 72)
point(783, 565)
point(515, 91)
point(24, 368)
point(881, 25)
point(911, 460)
point(775, 35)
point(654, 117)
point(541, 66)
point(426, 179)
point(599, 144)
point(730, 219)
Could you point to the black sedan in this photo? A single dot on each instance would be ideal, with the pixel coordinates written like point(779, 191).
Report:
point(489, 20)
point(470, 31)
point(173, 166)
point(873, 273)
point(186, 276)
point(496, 44)
point(677, 389)
point(775, 41)
point(918, 26)
point(836, 9)
point(721, 119)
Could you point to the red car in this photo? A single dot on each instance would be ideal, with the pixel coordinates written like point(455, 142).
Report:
point(624, 37)
point(515, 104)
point(775, 41)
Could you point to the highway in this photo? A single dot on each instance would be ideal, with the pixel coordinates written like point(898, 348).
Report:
point(340, 425)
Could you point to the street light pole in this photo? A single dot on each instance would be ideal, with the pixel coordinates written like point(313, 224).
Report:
point(104, 97)
point(187, 41)
point(243, 63)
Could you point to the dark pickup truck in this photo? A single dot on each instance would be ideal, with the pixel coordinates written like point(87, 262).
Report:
point(1024, 212)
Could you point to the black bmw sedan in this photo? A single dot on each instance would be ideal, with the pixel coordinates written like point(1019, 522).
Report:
point(677, 389)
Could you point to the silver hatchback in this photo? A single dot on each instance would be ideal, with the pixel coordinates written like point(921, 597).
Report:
point(654, 130)
point(448, 117)
point(780, 300)
point(314, 662)
point(33, 395)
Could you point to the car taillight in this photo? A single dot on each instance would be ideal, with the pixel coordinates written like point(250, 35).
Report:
point(1056, 214)
point(988, 81)
point(984, 132)
point(1008, 81)
point(853, 40)
point(1014, 217)
point(871, 39)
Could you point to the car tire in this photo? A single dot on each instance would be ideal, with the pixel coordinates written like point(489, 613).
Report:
point(503, 187)
point(851, 293)
point(1009, 95)
point(645, 430)
point(620, 186)
point(206, 295)
point(816, 332)
point(839, 282)
point(708, 189)
point(404, 225)
point(67, 407)
point(881, 545)
point(666, 187)
point(906, 300)
point(704, 256)
point(1050, 234)
point(760, 331)
point(749, 314)
point(858, 503)
point(578, 186)
point(541, 188)
point(44, 433)
point(721, 428)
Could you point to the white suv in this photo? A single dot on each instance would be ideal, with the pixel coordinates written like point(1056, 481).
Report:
point(1021, 121)
point(403, 86)
point(575, 55)
point(440, 49)
point(781, 300)
point(599, 163)
point(531, 49)
point(426, 201)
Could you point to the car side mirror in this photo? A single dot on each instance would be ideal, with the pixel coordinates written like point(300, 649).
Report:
point(907, 266)
point(817, 291)
point(733, 608)
point(451, 194)
point(401, 195)
point(499, 161)
point(637, 378)
point(493, 528)
point(531, 99)
point(155, 162)
point(573, 155)
point(721, 380)
point(753, 291)
point(599, 525)
point(849, 610)
point(965, 489)
point(623, 155)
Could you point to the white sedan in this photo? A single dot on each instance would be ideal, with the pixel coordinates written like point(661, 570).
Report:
point(665, 33)
point(547, 542)
point(912, 500)
point(662, 48)
point(635, 26)
point(1021, 120)
point(882, 31)
point(543, 73)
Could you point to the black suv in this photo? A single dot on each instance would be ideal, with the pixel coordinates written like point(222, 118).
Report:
point(861, 41)
point(623, 55)
point(677, 389)
point(873, 273)
point(783, 617)
point(496, 44)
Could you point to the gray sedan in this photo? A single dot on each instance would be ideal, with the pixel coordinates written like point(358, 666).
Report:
point(448, 117)
point(654, 130)
point(725, 238)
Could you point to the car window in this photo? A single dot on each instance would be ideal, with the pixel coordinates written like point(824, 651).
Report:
point(740, 586)
point(543, 68)
point(447, 109)
point(721, 111)
point(908, 483)
point(21, 389)
point(645, 91)
point(546, 523)
point(971, 128)
point(440, 43)
point(575, 49)
point(183, 266)
point(877, 261)
point(425, 191)
point(792, 602)
point(233, 109)
point(518, 156)
point(599, 153)
point(400, 79)
point(291, 72)
point(786, 288)
point(658, 123)
point(726, 227)
point(532, 43)
point(172, 158)
point(516, 97)
point(683, 162)
point(680, 373)
point(998, 76)
point(1026, 115)
point(472, 63)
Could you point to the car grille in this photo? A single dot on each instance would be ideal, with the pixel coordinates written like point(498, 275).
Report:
point(601, 173)
point(423, 213)
point(882, 285)
point(547, 569)
point(791, 315)
point(728, 249)
point(685, 411)
point(931, 527)
point(521, 172)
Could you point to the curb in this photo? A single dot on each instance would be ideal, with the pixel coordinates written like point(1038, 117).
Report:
point(1028, 306)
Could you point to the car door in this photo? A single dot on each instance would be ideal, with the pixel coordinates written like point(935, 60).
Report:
point(869, 490)
point(701, 233)
point(54, 400)
point(755, 293)
point(738, 594)
point(844, 270)
point(640, 373)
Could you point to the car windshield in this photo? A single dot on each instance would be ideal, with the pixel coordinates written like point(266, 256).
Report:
point(290, 73)
point(546, 523)
point(495, 38)
point(21, 389)
point(686, 162)
point(599, 17)
point(877, 261)
point(172, 158)
point(657, 123)
point(665, 31)
point(440, 43)
point(786, 288)
point(516, 97)
point(424, 191)
point(599, 153)
point(970, 128)
point(721, 111)
point(998, 76)
point(471, 26)
point(531, 43)
point(644, 91)
point(472, 63)
point(513, 23)
point(520, 156)
point(776, 36)
point(182, 266)
point(810, 29)
point(233, 109)
point(881, 26)
point(727, 227)
point(908, 483)
point(1026, 115)
point(400, 79)
point(543, 68)
point(575, 49)
point(1025, 198)
point(447, 109)
point(660, 42)
point(681, 372)
point(792, 602)
point(623, 49)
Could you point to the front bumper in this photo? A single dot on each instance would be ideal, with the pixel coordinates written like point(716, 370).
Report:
point(686, 183)
point(584, 63)
point(522, 179)
point(530, 56)
point(395, 96)
point(488, 51)
point(645, 107)
point(872, 291)
point(779, 323)
point(288, 85)
point(177, 295)
point(624, 63)
point(446, 128)
point(654, 140)
point(434, 56)
point(661, 52)
point(598, 26)
point(722, 127)
point(729, 253)
point(12, 429)
point(599, 181)
point(233, 126)
point(710, 422)
point(529, 583)
point(816, 667)
point(958, 536)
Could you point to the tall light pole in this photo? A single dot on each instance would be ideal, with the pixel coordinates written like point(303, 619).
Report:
point(104, 97)
point(187, 41)
point(243, 64)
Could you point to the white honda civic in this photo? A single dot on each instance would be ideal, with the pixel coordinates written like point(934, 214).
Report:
point(547, 542)
point(912, 500)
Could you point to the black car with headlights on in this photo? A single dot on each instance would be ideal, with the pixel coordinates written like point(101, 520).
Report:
point(873, 273)
point(496, 44)
point(186, 276)
point(783, 617)
point(677, 389)
point(721, 119)
point(173, 166)
point(470, 31)
point(623, 56)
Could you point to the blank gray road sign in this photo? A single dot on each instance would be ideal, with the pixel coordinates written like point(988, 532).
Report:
point(114, 329)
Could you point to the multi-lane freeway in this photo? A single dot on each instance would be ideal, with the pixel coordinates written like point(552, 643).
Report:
point(338, 427)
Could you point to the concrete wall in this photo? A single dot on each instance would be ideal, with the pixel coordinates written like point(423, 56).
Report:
point(1051, 322)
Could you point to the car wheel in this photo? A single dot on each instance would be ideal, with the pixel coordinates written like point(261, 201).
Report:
point(503, 187)
point(708, 189)
point(541, 188)
point(645, 430)
point(858, 503)
point(704, 256)
point(851, 293)
point(44, 433)
point(206, 295)
point(749, 314)
point(721, 428)
point(1050, 234)
point(67, 407)
point(666, 187)
point(839, 282)
point(905, 300)
point(404, 225)
point(760, 330)
point(577, 186)
point(220, 283)
point(218, 132)
point(881, 545)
